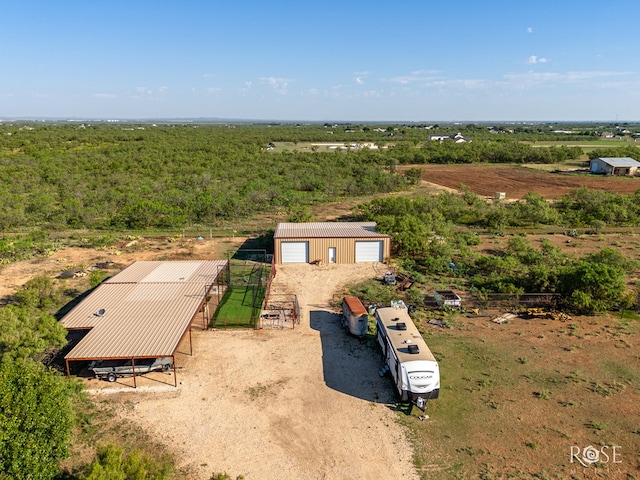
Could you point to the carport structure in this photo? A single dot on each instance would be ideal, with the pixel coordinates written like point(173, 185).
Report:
point(145, 311)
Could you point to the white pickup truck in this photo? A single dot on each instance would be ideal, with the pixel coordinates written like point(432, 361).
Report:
point(112, 369)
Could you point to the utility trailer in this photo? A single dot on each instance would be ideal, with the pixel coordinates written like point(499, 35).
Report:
point(355, 318)
point(111, 370)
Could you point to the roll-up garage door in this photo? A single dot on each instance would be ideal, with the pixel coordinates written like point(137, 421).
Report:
point(295, 252)
point(369, 251)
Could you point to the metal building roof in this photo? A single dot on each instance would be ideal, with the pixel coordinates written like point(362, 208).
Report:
point(620, 161)
point(144, 311)
point(328, 230)
point(174, 271)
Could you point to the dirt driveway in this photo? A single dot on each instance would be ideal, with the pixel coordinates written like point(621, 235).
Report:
point(280, 404)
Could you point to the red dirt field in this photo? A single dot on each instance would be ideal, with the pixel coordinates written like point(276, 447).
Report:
point(516, 181)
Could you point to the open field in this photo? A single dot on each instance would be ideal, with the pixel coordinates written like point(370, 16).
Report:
point(517, 181)
point(516, 397)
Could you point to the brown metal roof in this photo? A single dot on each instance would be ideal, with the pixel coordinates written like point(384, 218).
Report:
point(144, 311)
point(328, 230)
point(355, 305)
point(174, 271)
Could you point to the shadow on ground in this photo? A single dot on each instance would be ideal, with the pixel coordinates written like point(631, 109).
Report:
point(350, 365)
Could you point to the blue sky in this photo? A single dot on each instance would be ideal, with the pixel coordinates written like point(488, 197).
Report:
point(321, 61)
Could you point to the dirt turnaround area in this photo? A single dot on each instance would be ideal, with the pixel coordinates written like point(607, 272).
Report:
point(277, 404)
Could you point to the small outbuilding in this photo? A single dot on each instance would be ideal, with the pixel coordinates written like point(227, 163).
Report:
point(614, 166)
point(330, 242)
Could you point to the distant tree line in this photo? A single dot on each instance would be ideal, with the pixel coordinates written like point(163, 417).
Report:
point(171, 176)
point(107, 177)
point(507, 151)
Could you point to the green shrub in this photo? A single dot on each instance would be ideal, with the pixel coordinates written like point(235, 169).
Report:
point(112, 463)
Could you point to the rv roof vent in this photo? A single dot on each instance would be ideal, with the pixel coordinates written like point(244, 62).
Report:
point(401, 326)
point(413, 348)
point(395, 319)
point(100, 313)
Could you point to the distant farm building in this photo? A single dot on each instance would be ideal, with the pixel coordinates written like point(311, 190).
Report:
point(145, 311)
point(456, 138)
point(330, 242)
point(614, 166)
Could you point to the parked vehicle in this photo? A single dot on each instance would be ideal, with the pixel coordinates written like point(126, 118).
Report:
point(415, 371)
point(447, 298)
point(355, 318)
point(110, 370)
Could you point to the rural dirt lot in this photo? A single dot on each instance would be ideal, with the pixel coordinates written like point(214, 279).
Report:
point(308, 402)
point(267, 404)
point(276, 404)
point(516, 181)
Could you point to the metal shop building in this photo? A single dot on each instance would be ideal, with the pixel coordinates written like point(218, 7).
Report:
point(145, 311)
point(330, 242)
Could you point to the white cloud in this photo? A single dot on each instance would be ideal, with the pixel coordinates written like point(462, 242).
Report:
point(529, 30)
point(360, 77)
point(208, 75)
point(415, 76)
point(462, 83)
point(105, 95)
point(531, 79)
point(370, 93)
point(212, 90)
point(278, 84)
point(38, 94)
point(533, 59)
point(314, 91)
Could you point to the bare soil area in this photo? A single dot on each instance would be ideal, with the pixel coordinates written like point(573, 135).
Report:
point(517, 181)
point(277, 404)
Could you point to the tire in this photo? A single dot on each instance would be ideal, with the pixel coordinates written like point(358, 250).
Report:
point(112, 377)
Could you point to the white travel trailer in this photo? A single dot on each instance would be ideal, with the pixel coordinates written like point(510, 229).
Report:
point(355, 317)
point(414, 369)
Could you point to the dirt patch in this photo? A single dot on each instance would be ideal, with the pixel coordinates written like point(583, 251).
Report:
point(85, 259)
point(517, 181)
point(301, 403)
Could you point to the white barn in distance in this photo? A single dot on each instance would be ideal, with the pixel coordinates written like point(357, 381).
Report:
point(614, 166)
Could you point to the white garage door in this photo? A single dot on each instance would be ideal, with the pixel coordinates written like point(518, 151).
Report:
point(369, 251)
point(295, 252)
